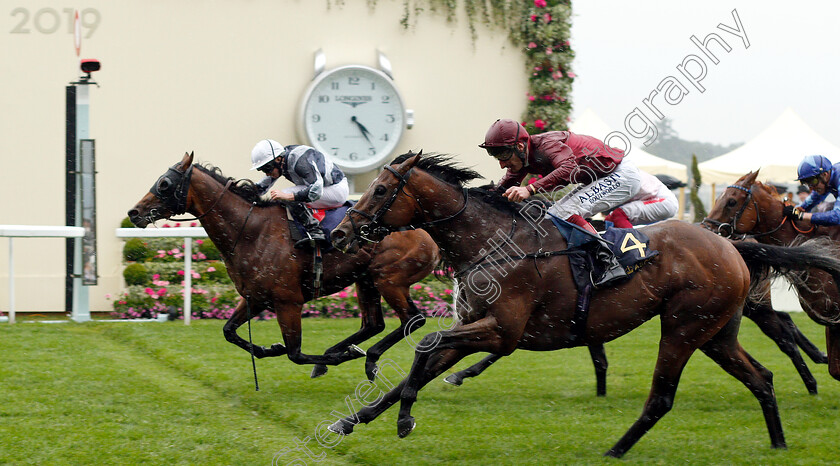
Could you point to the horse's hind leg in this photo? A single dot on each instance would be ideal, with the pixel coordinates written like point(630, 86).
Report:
point(476, 369)
point(832, 338)
point(801, 340)
point(599, 360)
point(373, 322)
point(239, 317)
point(769, 322)
point(725, 350)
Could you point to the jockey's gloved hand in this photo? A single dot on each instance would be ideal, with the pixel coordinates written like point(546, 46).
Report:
point(792, 212)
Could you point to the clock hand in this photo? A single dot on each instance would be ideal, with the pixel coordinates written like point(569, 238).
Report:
point(362, 128)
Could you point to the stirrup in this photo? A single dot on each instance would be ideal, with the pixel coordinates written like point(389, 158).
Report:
point(310, 241)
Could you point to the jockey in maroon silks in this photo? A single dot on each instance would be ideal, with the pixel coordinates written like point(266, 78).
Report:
point(606, 180)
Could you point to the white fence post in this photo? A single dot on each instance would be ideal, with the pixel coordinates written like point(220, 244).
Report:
point(34, 231)
point(184, 232)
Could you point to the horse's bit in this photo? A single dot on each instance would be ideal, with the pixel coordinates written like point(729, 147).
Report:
point(729, 230)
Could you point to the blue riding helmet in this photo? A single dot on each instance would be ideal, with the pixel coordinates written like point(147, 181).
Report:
point(812, 165)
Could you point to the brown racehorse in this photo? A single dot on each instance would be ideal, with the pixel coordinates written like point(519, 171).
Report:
point(752, 208)
point(254, 240)
point(525, 300)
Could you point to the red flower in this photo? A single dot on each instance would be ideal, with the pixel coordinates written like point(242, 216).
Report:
point(540, 3)
point(534, 18)
point(539, 124)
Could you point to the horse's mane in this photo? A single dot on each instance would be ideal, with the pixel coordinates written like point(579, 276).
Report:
point(444, 168)
point(244, 188)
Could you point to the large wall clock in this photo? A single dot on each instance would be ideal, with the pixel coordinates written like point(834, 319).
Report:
point(355, 114)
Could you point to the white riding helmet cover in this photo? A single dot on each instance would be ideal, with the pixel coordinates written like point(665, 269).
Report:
point(265, 151)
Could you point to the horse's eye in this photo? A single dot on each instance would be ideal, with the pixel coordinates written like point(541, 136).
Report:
point(379, 190)
point(164, 184)
point(730, 203)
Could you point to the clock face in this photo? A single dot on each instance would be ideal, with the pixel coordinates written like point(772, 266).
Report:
point(354, 114)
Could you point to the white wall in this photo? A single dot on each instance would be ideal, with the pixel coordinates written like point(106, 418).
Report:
point(212, 77)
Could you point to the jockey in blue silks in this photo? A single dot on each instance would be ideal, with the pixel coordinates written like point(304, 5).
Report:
point(823, 178)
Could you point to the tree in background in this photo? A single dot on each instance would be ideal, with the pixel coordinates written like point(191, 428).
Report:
point(699, 210)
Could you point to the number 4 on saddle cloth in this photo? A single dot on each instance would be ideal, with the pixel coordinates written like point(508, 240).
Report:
point(602, 261)
point(607, 259)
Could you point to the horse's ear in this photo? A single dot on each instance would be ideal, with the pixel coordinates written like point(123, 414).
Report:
point(187, 160)
point(750, 177)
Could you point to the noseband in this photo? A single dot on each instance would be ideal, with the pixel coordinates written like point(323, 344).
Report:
point(377, 229)
point(172, 188)
point(729, 230)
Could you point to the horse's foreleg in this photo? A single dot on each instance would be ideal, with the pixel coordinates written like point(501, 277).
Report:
point(373, 322)
point(482, 335)
point(769, 322)
point(436, 365)
point(289, 316)
point(239, 317)
point(411, 319)
point(473, 371)
point(599, 360)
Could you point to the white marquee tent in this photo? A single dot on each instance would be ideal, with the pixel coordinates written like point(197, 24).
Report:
point(590, 124)
point(777, 151)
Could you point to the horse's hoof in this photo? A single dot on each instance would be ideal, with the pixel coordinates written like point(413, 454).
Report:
point(356, 352)
point(371, 370)
point(341, 427)
point(318, 371)
point(405, 426)
point(613, 454)
point(453, 379)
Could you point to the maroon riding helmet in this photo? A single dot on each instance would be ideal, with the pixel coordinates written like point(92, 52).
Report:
point(504, 134)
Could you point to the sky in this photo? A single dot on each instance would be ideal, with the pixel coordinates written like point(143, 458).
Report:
point(625, 49)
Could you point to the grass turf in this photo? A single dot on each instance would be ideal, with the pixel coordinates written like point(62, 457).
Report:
point(165, 393)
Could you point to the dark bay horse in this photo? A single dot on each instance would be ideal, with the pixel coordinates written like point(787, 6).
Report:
point(254, 240)
point(524, 298)
point(751, 208)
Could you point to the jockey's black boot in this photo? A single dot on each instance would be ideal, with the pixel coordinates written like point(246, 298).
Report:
point(612, 269)
point(313, 228)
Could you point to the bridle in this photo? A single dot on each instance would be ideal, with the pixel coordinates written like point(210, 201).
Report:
point(729, 230)
point(172, 188)
point(376, 229)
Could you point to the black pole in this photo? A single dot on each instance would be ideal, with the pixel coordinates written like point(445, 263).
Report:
point(70, 192)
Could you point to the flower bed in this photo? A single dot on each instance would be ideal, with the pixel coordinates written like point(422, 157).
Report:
point(154, 278)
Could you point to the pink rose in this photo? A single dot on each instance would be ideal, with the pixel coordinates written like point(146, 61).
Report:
point(540, 3)
point(539, 124)
point(571, 75)
point(534, 18)
point(211, 269)
point(532, 45)
point(342, 294)
point(547, 18)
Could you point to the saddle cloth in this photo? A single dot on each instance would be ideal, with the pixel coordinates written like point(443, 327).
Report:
point(628, 245)
point(329, 218)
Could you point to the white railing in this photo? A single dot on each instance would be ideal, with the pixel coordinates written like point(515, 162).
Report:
point(32, 231)
point(188, 234)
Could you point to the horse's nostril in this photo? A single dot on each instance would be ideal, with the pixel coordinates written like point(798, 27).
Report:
point(133, 213)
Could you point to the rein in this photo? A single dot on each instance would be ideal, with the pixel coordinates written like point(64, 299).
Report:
point(732, 227)
point(375, 227)
point(172, 188)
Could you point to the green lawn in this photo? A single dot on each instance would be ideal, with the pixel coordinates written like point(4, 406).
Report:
point(166, 393)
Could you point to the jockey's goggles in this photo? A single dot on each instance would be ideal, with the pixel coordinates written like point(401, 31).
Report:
point(812, 181)
point(267, 167)
point(501, 153)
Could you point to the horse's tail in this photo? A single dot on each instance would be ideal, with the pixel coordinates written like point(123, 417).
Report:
point(767, 261)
